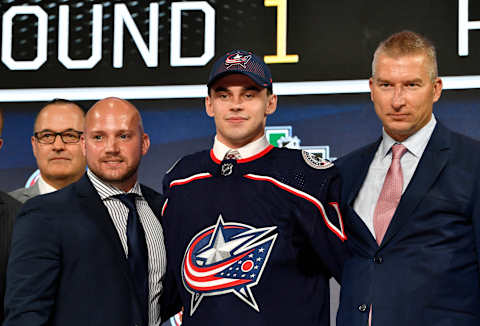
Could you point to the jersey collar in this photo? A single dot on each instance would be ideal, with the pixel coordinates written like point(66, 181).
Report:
point(248, 153)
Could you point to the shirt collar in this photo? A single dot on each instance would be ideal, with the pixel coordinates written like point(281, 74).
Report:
point(249, 150)
point(106, 190)
point(44, 187)
point(415, 144)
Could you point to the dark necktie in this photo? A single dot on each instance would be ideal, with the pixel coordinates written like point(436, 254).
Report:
point(137, 251)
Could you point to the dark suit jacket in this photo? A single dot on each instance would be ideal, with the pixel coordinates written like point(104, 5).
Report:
point(9, 208)
point(67, 265)
point(426, 270)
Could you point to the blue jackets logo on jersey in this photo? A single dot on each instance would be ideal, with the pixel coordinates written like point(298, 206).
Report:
point(226, 258)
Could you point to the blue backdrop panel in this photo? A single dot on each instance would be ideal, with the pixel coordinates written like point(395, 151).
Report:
point(179, 127)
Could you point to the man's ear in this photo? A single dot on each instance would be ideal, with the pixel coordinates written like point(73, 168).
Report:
point(145, 143)
point(209, 106)
point(271, 104)
point(370, 84)
point(437, 89)
point(34, 147)
point(82, 144)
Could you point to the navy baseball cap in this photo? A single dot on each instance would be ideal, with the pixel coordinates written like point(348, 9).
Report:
point(241, 62)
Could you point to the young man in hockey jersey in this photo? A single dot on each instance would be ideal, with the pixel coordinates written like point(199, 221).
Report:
point(253, 232)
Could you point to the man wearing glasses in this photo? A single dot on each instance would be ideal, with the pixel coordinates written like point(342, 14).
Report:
point(93, 253)
point(56, 147)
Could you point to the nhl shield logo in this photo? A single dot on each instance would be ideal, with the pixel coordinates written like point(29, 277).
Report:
point(227, 169)
point(226, 258)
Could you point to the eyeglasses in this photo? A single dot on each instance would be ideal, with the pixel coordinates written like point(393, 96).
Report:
point(49, 137)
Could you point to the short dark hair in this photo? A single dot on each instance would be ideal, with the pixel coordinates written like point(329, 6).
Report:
point(56, 101)
point(63, 101)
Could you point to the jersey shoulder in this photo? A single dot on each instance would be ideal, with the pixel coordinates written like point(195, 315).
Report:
point(301, 159)
point(189, 165)
point(300, 170)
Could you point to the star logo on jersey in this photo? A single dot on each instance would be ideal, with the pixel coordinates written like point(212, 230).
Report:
point(237, 59)
point(226, 258)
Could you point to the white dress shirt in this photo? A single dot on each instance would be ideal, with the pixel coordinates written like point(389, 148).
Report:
point(44, 187)
point(157, 259)
point(367, 197)
point(249, 150)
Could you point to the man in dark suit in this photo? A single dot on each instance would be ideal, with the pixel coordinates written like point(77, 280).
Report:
point(92, 253)
point(8, 210)
point(414, 203)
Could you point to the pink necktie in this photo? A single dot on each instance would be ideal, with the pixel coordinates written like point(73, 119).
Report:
point(389, 198)
point(390, 195)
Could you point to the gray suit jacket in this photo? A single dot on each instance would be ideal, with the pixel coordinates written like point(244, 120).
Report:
point(24, 194)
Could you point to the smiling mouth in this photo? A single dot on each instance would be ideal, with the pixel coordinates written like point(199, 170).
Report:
point(112, 162)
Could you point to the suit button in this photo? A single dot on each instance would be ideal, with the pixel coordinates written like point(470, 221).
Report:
point(377, 260)
point(362, 307)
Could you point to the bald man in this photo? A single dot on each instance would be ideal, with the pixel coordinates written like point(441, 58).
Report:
point(56, 147)
point(93, 252)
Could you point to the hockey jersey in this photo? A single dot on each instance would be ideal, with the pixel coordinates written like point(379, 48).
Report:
point(253, 241)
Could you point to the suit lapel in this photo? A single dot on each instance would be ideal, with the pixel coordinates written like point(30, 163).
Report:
point(353, 181)
point(32, 191)
point(359, 171)
point(432, 162)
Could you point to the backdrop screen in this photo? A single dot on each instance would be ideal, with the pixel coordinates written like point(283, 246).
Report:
point(158, 55)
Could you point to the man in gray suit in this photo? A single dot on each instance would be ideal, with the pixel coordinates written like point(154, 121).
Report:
point(59, 159)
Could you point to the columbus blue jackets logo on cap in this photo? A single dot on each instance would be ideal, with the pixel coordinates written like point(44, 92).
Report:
point(237, 59)
point(226, 258)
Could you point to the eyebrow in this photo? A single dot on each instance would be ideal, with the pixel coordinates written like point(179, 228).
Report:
point(220, 89)
point(415, 80)
point(50, 130)
point(249, 88)
point(105, 131)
